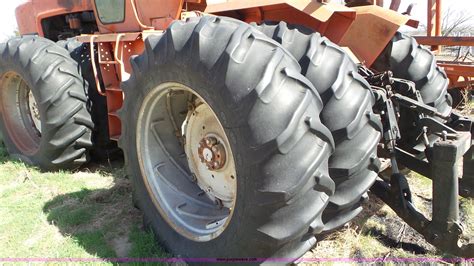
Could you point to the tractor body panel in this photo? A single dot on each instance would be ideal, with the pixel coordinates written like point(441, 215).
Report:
point(375, 26)
point(30, 14)
point(330, 20)
point(140, 15)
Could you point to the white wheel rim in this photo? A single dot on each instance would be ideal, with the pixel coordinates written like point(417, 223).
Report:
point(186, 197)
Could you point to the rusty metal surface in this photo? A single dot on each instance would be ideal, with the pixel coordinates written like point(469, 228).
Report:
point(433, 21)
point(395, 5)
point(372, 29)
point(212, 153)
point(209, 154)
point(460, 75)
point(433, 26)
point(320, 11)
point(461, 69)
point(445, 40)
point(111, 37)
point(114, 52)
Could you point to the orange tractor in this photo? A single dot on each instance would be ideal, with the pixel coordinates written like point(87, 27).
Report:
point(249, 128)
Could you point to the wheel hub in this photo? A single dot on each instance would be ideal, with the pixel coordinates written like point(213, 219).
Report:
point(208, 157)
point(212, 153)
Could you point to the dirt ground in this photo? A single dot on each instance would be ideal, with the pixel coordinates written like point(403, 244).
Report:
point(89, 214)
point(380, 234)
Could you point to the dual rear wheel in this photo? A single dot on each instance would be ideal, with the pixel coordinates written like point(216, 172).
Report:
point(229, 146)
point(233, 152)
point(224, 143)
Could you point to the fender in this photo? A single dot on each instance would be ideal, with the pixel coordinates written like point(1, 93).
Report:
point(365, 30)
point(331, 20)
point(372, 30)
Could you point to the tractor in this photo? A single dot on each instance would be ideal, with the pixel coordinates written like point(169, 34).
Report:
point(248, 128)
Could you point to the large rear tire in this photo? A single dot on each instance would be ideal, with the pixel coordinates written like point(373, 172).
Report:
point(44, 118)
point(347, 112)
point(269, 116)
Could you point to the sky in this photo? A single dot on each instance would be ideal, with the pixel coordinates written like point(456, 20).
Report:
point(7, 18)
point(8, 21)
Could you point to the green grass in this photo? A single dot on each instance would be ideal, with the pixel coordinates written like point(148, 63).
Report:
point(89, 214)
point(86, 214)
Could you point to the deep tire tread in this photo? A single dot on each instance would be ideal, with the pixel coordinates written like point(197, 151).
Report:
point(50, 71)
point(104, 148)
point(336, 84)
point(285, 204)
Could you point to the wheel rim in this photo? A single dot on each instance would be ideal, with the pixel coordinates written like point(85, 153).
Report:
point(20, 113)
point(191, 178)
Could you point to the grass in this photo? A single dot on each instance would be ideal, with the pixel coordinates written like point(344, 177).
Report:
point(87, 214)
point(379, 233)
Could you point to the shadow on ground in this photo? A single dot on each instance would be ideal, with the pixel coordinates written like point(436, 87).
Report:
point(104, 221)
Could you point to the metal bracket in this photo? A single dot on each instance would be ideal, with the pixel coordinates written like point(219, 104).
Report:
point(440, 161)
point(418, 106)
point(444, 230)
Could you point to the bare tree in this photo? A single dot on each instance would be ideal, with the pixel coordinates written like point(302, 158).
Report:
point(457, 22)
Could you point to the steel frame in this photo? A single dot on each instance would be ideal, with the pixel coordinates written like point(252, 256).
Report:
point(440, 162)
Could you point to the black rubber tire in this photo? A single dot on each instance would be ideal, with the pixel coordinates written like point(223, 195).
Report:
point(103, 148)
point(409, 60)
point(347, 112)
point(58, 88)
point(460, 96)
point(270, 113)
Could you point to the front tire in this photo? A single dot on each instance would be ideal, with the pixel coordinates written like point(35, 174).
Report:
point(44, 119)
point(270, 115)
